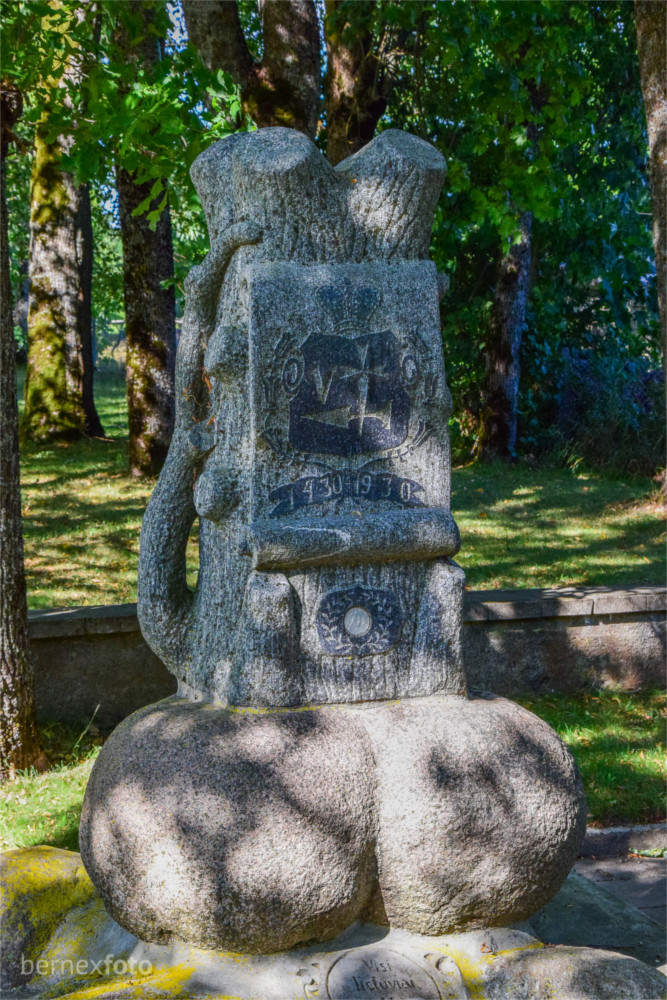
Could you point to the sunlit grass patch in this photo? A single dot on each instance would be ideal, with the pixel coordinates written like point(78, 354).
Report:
point(618, 741)
point(520, 526)
point(527, 527)
point(82, 514)
point(46, 808)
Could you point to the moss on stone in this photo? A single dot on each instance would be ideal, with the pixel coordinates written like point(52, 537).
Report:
point(39, 886)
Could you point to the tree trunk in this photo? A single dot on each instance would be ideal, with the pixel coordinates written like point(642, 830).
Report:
point(356, 85)
point(508, 315)
point(150, 309)
point(284, 88)
point(651, 18)
point(54, 377)
point(84, 249)
point(150, 324)
point(59, 377)
point(21, 305)
point(19, 743)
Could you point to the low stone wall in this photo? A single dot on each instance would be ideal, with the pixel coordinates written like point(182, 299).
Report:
point(94, 656)
point(515, 642)
point(530, 641)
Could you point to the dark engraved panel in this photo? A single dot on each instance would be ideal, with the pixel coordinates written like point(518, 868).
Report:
point(334, 486)
point(359, 621)
point(379, 973)
point(349, 396)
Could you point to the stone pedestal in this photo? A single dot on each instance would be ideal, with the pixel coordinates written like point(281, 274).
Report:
point(255, 832)
point(58, 940)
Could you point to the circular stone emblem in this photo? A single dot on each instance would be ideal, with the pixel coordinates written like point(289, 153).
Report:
point(357, 621)
point(375, 972)
point(360, 621)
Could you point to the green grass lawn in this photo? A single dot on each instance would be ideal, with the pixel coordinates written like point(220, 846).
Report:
point(520, 526)
point(527, 527)
point(46, 808)
point(617, 740)
point(82, 514)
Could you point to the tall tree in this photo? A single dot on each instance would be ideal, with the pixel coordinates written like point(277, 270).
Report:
point(284, 87)
point(360, 74)
point(651, 20)
point(534, 106)
point(84, 257)
point(59, 379)
point(148, 271)
point(19, 743)
point(498, 432)
point(500, 392)
point(281, 89)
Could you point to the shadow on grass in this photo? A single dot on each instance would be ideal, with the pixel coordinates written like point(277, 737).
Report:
point(618, 744)
point(526, 527)
point(66, 831)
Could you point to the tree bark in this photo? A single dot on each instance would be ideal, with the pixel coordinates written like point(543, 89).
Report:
point(150, 309)
point(150, 325)
point(21, 305)
point(651, 19)
point(84, 252)
point(19, 742)
point(357, 85)
point(498, 433)
point(59, 376)
point(284, 88)
point(54, 407)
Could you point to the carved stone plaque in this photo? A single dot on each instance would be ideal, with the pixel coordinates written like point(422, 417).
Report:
point(350, 407)
point(359, 621)
point(379, 974)
point(350, 400)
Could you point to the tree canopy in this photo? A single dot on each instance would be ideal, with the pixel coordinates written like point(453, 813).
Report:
point(536, 106)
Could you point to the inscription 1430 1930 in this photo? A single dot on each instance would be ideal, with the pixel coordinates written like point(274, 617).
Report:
point(334, 486)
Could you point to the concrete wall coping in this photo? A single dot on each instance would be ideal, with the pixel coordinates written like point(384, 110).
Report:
point(479, 606)
point(47, 623)
point(617, 841)
point(565, 602)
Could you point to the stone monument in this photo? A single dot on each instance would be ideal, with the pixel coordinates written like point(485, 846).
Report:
point(323, 762)
point(324, 811)
point(323, 771)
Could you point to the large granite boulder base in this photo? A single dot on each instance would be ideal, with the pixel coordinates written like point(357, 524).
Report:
point(256, 832)
point(323, 762)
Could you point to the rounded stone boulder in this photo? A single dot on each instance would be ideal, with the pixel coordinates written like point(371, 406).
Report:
point(571, 974)
point(255, 832)
point(480, 812)
point(241, 831)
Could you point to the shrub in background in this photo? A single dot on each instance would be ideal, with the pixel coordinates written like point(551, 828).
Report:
point(610, 411)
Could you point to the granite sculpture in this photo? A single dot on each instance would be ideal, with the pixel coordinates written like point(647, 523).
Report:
point(323, 761)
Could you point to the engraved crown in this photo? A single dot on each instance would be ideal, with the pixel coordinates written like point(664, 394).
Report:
point(350, 308)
